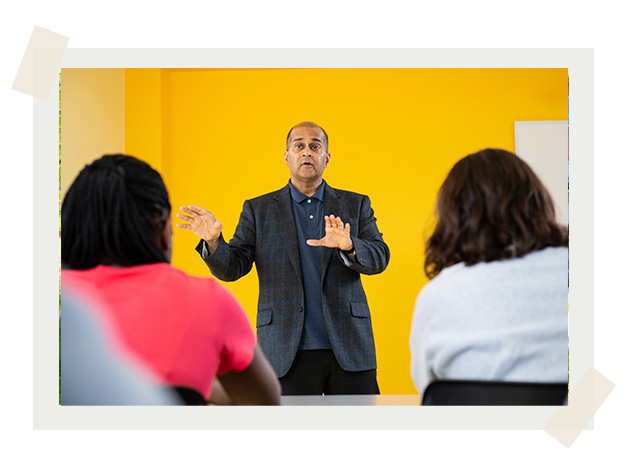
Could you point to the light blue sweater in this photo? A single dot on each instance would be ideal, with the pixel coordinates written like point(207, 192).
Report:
point(502, 320)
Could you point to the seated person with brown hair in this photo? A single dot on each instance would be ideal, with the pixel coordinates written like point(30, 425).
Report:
point(496, 306)
point(116, 240)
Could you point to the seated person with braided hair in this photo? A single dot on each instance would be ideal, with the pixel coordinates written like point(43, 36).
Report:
point(116, 242)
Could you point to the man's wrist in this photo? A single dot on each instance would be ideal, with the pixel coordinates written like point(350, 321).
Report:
point(212, 244)
point(349, 251)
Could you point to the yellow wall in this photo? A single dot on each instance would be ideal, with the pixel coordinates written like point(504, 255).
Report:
point(92, 109)
point(218, 137)
point(146, 122)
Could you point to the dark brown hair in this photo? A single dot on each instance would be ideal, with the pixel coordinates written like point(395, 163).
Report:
point(492, 206)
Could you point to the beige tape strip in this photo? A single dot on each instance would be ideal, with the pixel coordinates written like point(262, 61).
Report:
point(40, 64)
point(584, 400)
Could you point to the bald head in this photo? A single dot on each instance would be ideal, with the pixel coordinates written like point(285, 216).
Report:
point(308, 124)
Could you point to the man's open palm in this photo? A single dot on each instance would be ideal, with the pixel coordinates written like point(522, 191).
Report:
point(337, 235)
point(201, 222)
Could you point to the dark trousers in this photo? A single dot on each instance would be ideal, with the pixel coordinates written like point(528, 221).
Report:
point(314, 372)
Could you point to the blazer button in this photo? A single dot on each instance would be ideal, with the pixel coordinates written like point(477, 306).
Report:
point(301, 309)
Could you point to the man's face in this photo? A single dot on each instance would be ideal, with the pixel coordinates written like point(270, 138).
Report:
point(306, 156)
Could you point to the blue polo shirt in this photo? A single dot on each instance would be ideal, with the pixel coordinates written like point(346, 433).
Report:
point(308, 213)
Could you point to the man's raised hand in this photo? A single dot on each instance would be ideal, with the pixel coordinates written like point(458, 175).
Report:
point(337, 235)
point(201, 222)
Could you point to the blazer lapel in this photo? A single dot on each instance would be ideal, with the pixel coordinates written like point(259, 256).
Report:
point(286, 225)
point(331, 206)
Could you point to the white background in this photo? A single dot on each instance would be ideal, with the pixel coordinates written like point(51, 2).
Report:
point(346, 24)
point(544, 146)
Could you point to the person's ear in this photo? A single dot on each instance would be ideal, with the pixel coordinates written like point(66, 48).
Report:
point(287, 157)
point(165, 236)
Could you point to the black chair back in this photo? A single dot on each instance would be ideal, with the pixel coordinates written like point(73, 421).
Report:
point(189, 396)
point(488, 393)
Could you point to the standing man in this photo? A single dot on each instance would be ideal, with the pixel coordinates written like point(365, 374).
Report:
point(310, 243)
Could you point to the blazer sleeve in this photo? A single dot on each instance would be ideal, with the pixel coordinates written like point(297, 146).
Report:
point(371, 252)
point(231, 261)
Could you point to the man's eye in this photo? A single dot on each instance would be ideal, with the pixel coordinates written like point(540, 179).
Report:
point(315, 147)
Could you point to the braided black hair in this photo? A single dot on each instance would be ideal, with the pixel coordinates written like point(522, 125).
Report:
point(112, 213)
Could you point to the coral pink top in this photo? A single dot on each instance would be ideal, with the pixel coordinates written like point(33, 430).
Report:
point(185, 329)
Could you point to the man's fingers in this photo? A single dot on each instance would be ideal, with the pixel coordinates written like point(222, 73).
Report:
point(195, 210)
point(348, 229)
point(313, 242)
point(336, 222)
point(198, 213)
point(184, 226)
point(184, 217)
point(187, 210)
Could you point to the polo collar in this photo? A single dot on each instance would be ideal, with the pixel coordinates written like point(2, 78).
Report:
point(299, 197)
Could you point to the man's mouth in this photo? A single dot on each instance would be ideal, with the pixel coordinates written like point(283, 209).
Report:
point(307, 164)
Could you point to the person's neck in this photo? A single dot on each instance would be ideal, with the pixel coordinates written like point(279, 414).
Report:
point(308, 189)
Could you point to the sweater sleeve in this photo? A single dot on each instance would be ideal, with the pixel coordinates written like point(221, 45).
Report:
point(421, 373)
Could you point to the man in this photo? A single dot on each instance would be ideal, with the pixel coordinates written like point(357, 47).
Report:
point(313, 319)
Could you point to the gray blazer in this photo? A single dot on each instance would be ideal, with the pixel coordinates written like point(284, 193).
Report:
point(266, 234)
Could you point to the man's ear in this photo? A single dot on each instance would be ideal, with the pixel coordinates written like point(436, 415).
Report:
point(287, 157)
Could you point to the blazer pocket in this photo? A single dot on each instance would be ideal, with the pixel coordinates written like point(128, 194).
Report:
point(360, 309)
point(263, 317)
